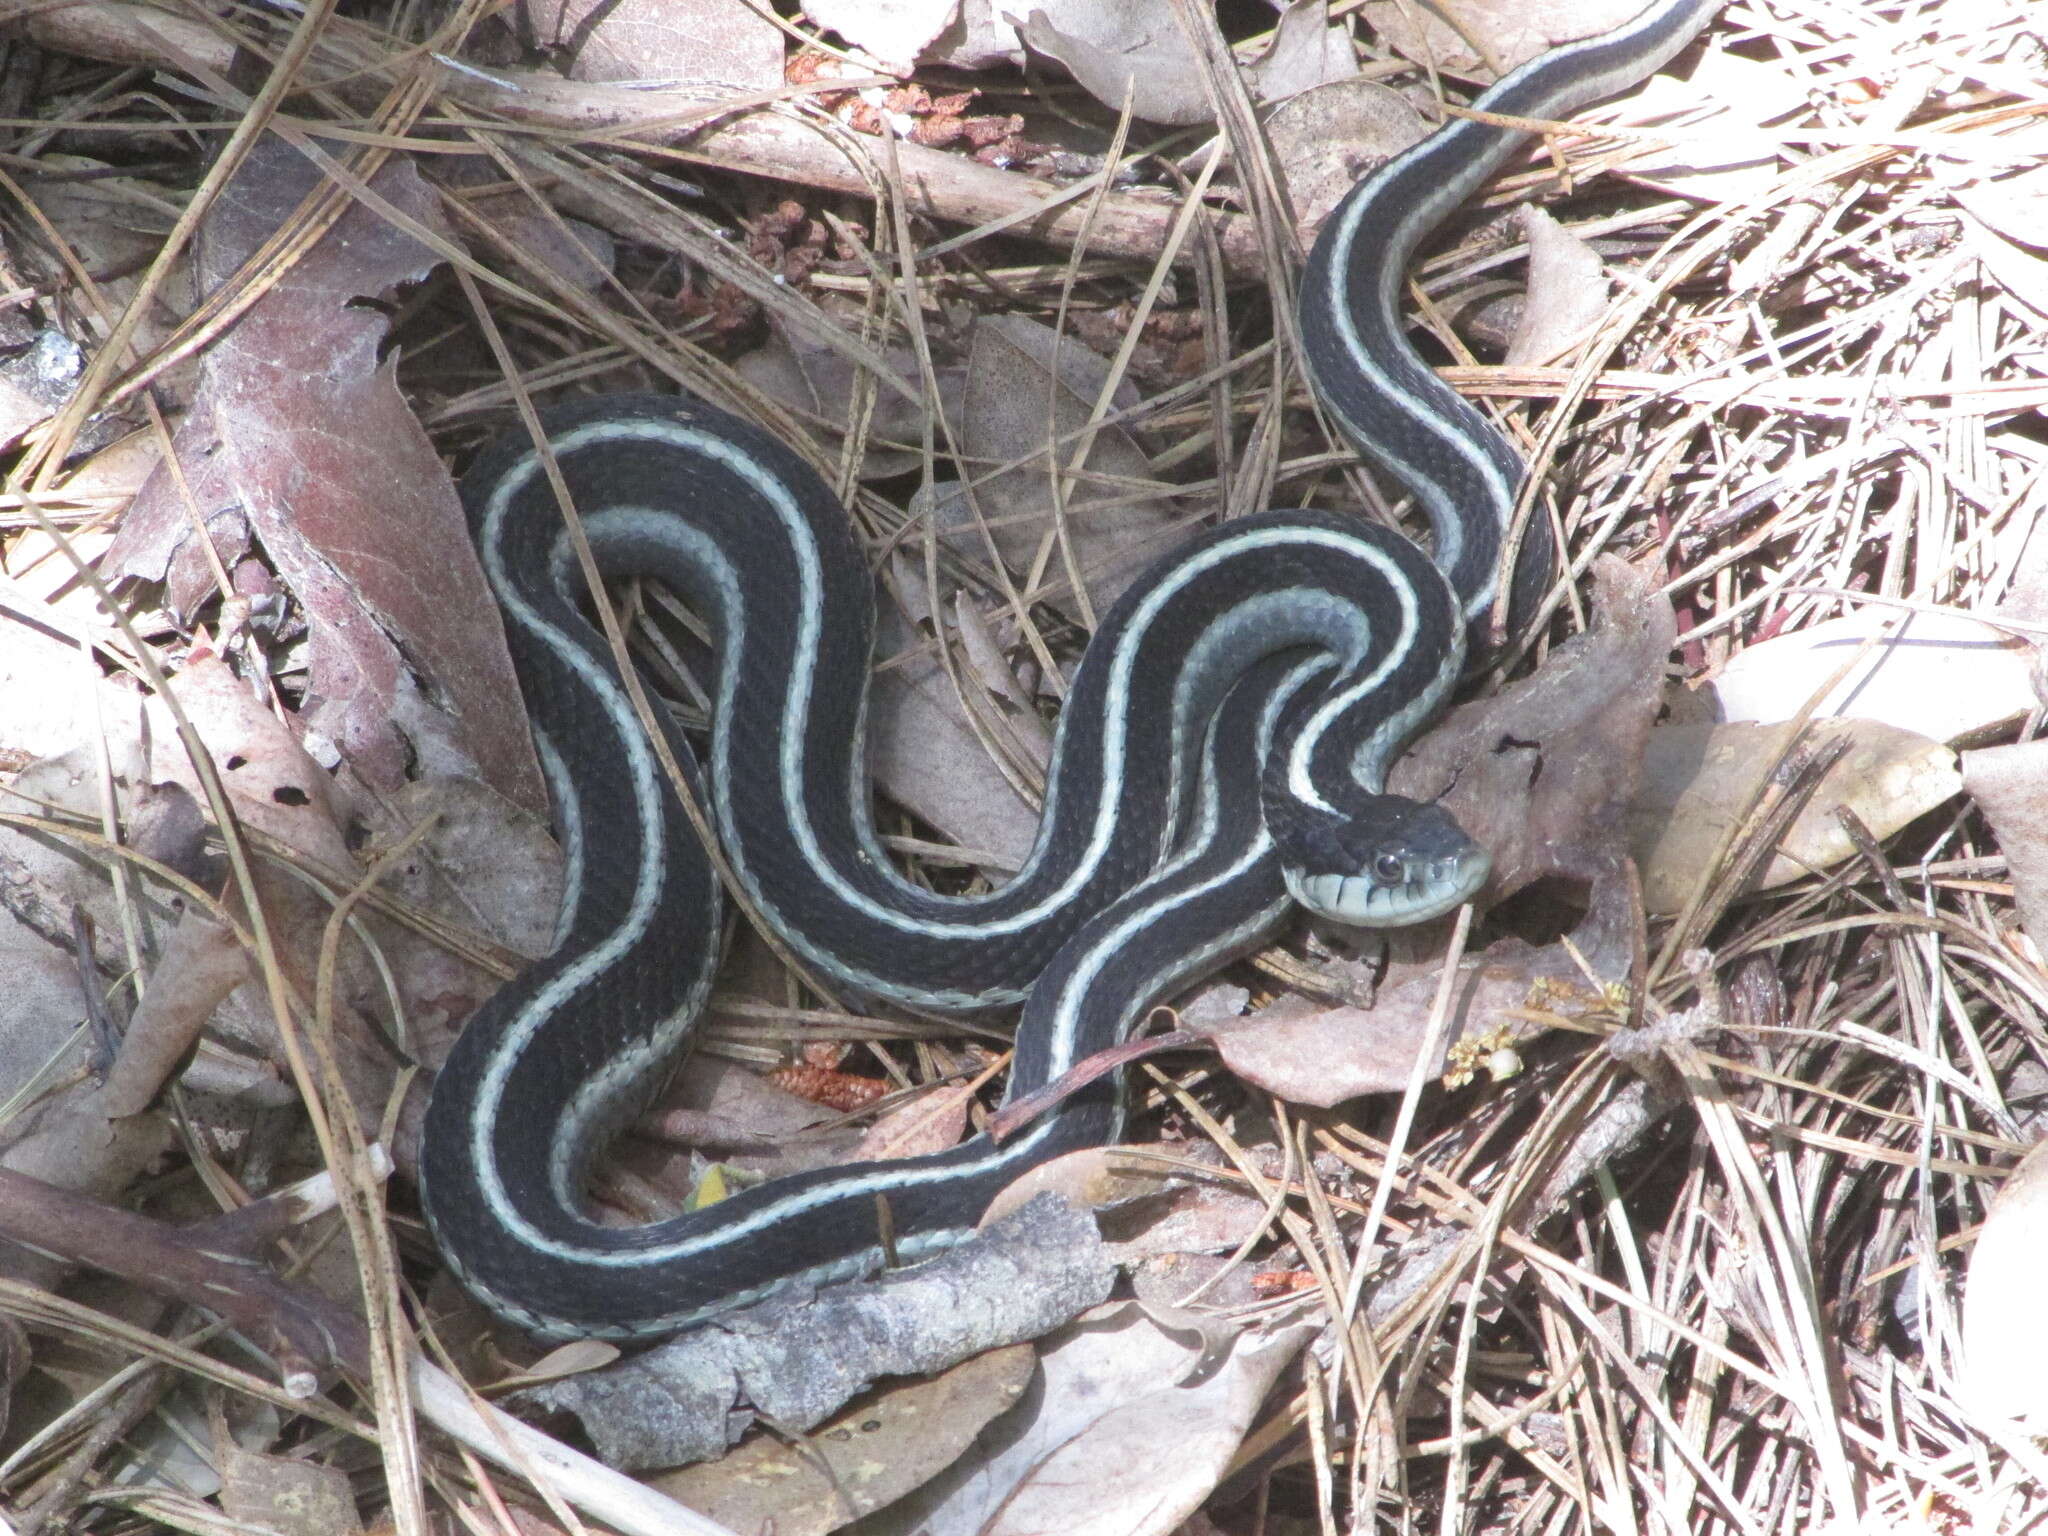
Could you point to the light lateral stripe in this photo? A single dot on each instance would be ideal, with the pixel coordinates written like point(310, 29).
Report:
point(648, 787)
point(1407, 387)
point(794, 1207)
point(568, 831)
point(1115, 736)
point(1375, 754)
point(1199, 845)
point(1451, 163)
point(589, 1104)
point(859, 1184)
point(774, 493)
point(745, 1248)
point(1299, 783)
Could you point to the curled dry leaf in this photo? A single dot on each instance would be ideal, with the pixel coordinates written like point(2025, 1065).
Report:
point(893, 1440)
point(1306, 51)
point(1567, 294)
point(1543, 773)
point(2005, 1329)
point(1700, 780)
point(1025, 387)
point(63, 1138)
point(1131, 1424)
point(35, 381)
point(931, 1122)
point(926, 757)
point(895, 31)
point(1941, 675)
point(980, 36)
point(273, 786)
point(1093, 1178)
point(2010, 785)
point(2007, 221)
point(277, 790)
point(1312, 1053)
point(55, 694)
point(1127, 54)
point(578, 256)
point(750, 1127)
point(1136, 51)
point(114, 474)
point(484, 864)
point(372, 545)
point(113, 226)
point(1329, 136)
point(1720, 151)
point(288, 1495)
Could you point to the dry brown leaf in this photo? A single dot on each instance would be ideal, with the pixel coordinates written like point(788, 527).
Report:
point(1721, 152)
point(1191, 1214)
point(115, 225)
point(482, 863)
point(720, 1108)
point(1091, 1178)
point(1542, 774)
point(55, 695)
point(817, 384)
point(1311, 1053)
point(980, 36)
point(1330, 135)
point(1484, 39)
point(1027, 386)
point(288, 1495)
point(672, 42)
point(931, 1122)
point(928, 759)
point(44, 1007)
point(1700, 780)
point(1127, 54)
point(1567, 293)
point(1136, 50)
point(35, 380)
point(1128, 1429)
point(896, 32)
point(577, 255)
point(1306, 51)
point(373, 545)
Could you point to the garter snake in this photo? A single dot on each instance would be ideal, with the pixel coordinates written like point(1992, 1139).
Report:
point(1220, 755)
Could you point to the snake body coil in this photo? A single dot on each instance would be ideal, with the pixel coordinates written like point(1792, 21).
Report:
point(1222, 750)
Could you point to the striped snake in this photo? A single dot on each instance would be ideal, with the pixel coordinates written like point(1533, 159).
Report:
point(1220, 757)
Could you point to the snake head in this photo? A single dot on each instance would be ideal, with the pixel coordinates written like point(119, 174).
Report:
point(1391, 863)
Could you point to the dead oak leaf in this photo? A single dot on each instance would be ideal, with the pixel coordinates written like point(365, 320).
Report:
point(299, 425)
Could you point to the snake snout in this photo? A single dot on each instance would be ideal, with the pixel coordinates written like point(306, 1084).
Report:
point(1414, 863)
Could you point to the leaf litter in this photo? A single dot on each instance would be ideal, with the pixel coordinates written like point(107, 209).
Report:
point(1695, 1192)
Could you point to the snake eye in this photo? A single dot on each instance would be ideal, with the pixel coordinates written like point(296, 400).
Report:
point(1389, 870)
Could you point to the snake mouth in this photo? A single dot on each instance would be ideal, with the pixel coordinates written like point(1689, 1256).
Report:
point(1424, 889)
